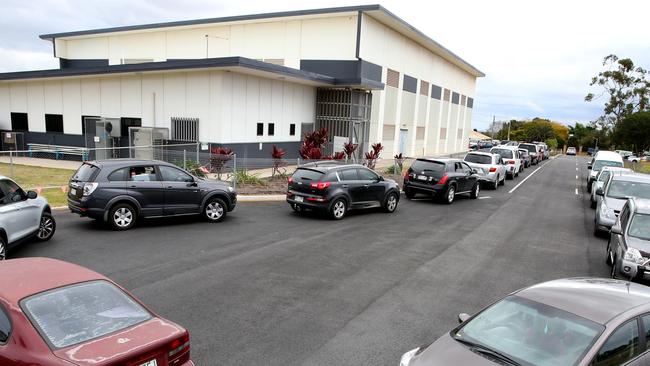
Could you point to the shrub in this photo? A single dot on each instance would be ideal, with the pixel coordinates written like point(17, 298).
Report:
point(349, 148)
point(373, 155)
point(339, 155)
point(278, 160)
point(243, 177)
point(218, 158)
point(313, 143)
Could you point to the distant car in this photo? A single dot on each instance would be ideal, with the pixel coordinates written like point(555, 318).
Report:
point(575, 321)
point(337, 188)
point(629, 241)
point(490, 167)
point(591, 151)
point(618, 189)
point(602, 177)
point(120, 191)
point(510, 155)
point(624, 153)
point(56, 313)
point(441, 178)
point(512, 143)
point(525, 157)
point(23, 216)
point(633, 159)
point(533, 151)
point(571, 150)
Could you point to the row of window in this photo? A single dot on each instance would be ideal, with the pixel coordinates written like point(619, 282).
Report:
point(410, 85)
point(270, 129)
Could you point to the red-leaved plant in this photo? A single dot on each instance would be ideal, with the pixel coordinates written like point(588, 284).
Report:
point(373, 155)
point(339, 155)
point(219, 156)
point(313, 143)
point(278, 160)
point(399, 160)
point(349, 148)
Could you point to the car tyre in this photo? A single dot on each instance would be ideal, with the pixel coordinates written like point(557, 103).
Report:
point(608, 258)
point(215, 210)
point(503, 181)
point(122, 216)
point(409, 193)
point(496, 183)
point(593, 204)
point(3, 249)
point(475, 191)
point(390, 205)
point(510, 176)
point(588, 187)
point(614, 273)
point(450, 195)
point(338, 209)
point(46, 227)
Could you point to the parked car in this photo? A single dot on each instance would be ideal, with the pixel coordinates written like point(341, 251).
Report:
point(576, 321)
point(441, 178)
point(615, 194)
point(602, 178)
point(490, 168)
point(629, 241)
point(533, 151)
point(512, 143)
point(337, 188)
point(121, 191)
point(571, 150)
point(525, 157)
point(23, 216)
point(591, 151)
point(624, 153)
point(633, 159)
point(510, 155)
point(56, 313)
point(600, 160)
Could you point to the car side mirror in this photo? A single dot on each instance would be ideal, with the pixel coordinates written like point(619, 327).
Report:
point(192, 183)
point(589, 167)
point(380, 179)
point(616, 229)
point(600, 192)
point(462, 318)
point(31, 195)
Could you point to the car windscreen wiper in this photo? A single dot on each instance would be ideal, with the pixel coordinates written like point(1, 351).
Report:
point(485, 350)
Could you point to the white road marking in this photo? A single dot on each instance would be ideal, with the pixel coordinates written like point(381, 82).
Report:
point(577, 194)
point(484, 198)
point(576, 177)
point(576, 169)
point(525, 179)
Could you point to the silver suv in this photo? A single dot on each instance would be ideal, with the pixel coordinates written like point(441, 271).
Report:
point(23, 216)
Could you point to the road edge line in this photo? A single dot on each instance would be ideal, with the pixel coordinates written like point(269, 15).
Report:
point(525, 179)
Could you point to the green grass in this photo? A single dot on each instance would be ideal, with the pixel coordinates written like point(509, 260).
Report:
point(30, 177)
point(640, 167)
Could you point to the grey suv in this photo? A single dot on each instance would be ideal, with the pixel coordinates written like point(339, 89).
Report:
point(616, 192)
point(120, 191)
point(629, 241)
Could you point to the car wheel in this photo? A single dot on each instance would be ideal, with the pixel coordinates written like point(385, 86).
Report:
point(450, 195)
point(338, 209)
point(215, 210)
point(503, 181)
point(510, 176)
point(391, 203)
point(608, 258)
point(496, 183)
point(122, 216)
point(475, 191)
point(593, 204)
point(3, 249)
point(588, 187)
point(409, 193)
point(596, 230)
point(614, 272)
point(46, 228)
point(517, 173)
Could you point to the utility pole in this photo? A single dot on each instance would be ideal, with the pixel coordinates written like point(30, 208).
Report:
point(493, 122)
point(509, 123)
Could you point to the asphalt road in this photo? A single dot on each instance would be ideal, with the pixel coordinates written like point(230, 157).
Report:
point(270, 287)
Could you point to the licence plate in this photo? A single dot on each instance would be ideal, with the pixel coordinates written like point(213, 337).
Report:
point(73, 191)
point(150, 363)
point(423, 177)
point(299, 199)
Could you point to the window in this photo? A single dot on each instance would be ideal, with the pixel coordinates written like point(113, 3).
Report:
point(392, 78)
point(11, 192)
point(478, 158)
point(260, 129)
point(620, 347)
point(348, 174)
point(5, 326)
point(142, 174)
point(466, 168)
point(366, 174)
point(292, 129)
point(118, 175)
point(271, 130)
point(54, 123)
point(170, 174)
point(185, 129)
point(19, 122)
point(646, 325)
point(307, 174)
point(426, 165)
point(126, 122)
point(85, 173)
point(443, 133)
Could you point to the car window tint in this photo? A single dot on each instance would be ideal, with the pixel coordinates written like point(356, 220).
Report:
point(170, 174)
point(5, 326)
point(78, 313)
point(85, 173)
point(307, 174)
point(603, 176)
point(599, 164)
point(646, 325)
point(365, 174)
point(331, 177)
point(348, 174)
point(640, 227)
point(118, 175)
point(12, 192)
point(478, 158)
point(465, 168)
point(622, 189)
point(142, 174)
point(624, 215)
point(3, 194)
point(620, 347)
point(420, 166)
point(505, 153)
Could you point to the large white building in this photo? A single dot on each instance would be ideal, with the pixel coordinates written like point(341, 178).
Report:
point(248, 82)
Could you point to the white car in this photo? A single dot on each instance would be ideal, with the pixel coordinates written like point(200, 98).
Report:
point(510, 155)
point(23, 216)
point(490, 167)
point(633, 159)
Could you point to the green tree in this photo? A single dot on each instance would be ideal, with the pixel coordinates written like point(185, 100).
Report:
point(634, 131)
point(538, 130)
point(626, 88)
point(552, 143)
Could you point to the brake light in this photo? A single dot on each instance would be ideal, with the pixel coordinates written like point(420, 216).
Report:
point(320, 185)
point(511, 161)
point(443, 179)
point(179, 350)
point(406, 176)
point(493, 169)
point(290, 180)
point(317, 199)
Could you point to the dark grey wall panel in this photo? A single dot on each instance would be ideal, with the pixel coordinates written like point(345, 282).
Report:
point(455, 98)
point(410, 84)
point(371, 71)
point(436, 92)
point(62, 139)
point(72, 64)
point(343, 69)
point(251, 150)
point(470, 102)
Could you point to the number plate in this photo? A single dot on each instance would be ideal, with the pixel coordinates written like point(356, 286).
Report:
point(73, 191)
point(150, 363)
point(299, 199)
point(423, 177)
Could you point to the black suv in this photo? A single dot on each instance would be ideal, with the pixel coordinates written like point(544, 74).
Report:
point(335, 188)
point(121, 190)
point(441, 178)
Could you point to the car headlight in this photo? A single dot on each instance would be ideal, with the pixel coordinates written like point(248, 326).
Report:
point(633, 255)
point(408, 357)
point(89, 188)
point(607, 212)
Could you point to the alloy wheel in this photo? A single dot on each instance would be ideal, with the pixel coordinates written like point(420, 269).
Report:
point(339, 209)
point(3, 250)
point(46, 228)
point(451, 193)
point(123, 217)
point(391, 203)
point(496, 183)
point(477, 189)
point(214, 210)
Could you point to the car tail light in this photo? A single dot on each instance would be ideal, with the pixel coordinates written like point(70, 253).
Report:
point(511, 161)
point(493, 169)
point(179, 350)
point(443, 179)
point(406, 176)
point(317, 199)
point(89, 188)
point(290, 180)
point(320, 185)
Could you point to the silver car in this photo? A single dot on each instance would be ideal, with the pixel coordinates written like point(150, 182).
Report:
point(629, 241)
point(615, 194)
point(490, 167)
point(602, 177)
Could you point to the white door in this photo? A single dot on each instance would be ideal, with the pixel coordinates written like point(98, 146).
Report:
point(20, 215)
point(403, 135)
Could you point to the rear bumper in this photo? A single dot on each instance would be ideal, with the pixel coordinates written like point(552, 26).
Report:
point(84, 210)
point(305, 204)
point(424, 188)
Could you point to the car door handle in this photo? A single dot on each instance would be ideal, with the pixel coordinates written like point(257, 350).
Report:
point(170, 187)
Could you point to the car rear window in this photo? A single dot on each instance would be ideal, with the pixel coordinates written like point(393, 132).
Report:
point(78, 313)
point(529, 147)
point(478, 158)
point(428, 166)
point(307, 174)
point(505, 153)
point(85, 173)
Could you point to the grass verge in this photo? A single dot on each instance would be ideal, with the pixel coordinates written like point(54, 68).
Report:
point(31, 177)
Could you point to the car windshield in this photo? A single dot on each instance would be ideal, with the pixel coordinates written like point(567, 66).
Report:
point(599, 164)
point(531, 333)
point(530, 148)
point(603, 176)
point(640, 227)
point(307, 174)
point(505, 153)
point(622, 189)
point(85, 173)
point(77, 313)
point(478, 158)
point(429, 166)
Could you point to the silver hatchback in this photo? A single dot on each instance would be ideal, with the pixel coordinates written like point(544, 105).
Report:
point(490, 167)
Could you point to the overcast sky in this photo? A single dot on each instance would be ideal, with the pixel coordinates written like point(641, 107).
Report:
point(539, 56)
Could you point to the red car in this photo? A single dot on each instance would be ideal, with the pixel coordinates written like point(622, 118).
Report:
point(54, 313)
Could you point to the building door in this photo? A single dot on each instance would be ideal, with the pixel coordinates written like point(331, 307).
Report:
point(403, 135)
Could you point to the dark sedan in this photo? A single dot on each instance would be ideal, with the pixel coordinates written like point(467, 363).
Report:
point(337, 188)
point(577, 321)
point(441, 178)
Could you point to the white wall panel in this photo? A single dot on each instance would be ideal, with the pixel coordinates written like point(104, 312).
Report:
point(149, 45)
point(87, 48)
point(198, 99)
point(332, 38)
point(52, 94)
point(71, 106)
point(174, 97)
point(35, 107)
point(91, 104)
point(110, 97)
point(252, 109)
point(131, 96)
point(18, 95)
point(152, 99)
point(5, 107)
point(239, 129)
